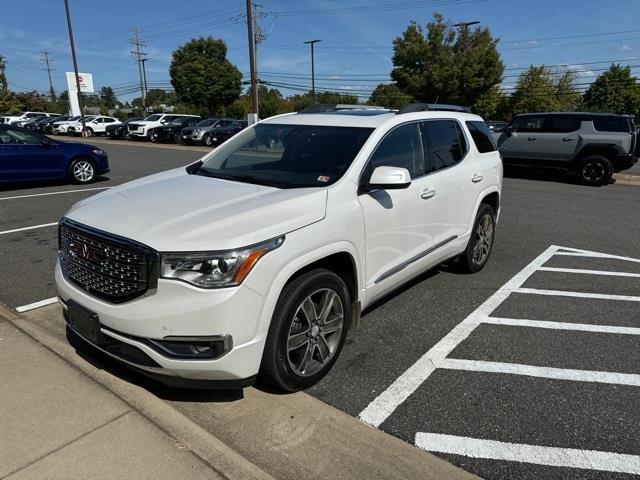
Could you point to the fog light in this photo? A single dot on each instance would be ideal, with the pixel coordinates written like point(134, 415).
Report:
point(205, 348)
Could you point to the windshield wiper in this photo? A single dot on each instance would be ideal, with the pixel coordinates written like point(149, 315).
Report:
point(242, 178)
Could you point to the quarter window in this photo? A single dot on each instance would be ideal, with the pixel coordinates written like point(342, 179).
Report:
point(612, 124)
point(528, 124)
point(444, 143)
point(401, 148)
point(482, 137)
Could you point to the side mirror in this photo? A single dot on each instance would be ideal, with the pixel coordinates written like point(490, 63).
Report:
point(509, 130)
point(46, 143)
point(389, 178)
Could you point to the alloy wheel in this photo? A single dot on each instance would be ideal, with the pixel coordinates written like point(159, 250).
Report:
point(593, 171)
point(315, 332)
point(483, 240)
point(83, 171)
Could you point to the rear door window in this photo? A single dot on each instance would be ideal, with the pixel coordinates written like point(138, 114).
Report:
point(482, 137)
point(444, 143)
point(559, 124)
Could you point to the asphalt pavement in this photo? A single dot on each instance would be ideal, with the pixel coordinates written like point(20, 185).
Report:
point(486, 370)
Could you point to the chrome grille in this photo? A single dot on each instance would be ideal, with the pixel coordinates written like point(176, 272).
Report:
point(106, 266)
point(134, 126)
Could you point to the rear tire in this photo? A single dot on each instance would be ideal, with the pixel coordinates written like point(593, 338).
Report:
point(595, 170)
point(480, 245)
point(82, 171)
point(307, 332)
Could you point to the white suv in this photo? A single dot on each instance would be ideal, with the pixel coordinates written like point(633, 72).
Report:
point(260, 257)
point(142, 129)
point(93, 125)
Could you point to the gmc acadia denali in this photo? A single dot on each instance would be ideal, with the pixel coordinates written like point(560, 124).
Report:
point(259, 258)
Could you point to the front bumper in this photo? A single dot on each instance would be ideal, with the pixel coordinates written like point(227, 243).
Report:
point(178, 309)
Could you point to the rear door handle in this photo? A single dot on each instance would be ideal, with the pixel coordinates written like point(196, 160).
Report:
point(567, 139)
point(476, 178)
point(531, 139)
point(427, 194)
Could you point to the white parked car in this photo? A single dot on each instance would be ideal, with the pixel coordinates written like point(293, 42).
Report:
point(260, 257)
point(20, 120)
point(96, 125)
point(142, 128)
point(60, 128)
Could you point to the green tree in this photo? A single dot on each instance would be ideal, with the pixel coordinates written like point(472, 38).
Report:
point(389, 95)
point(446, 64)
point(108, 98)
point(567, 95)
point(305, 100)
point(535, 91)
point(616, 91)
point(8, 102)
point(201, 75)
point(33, 101)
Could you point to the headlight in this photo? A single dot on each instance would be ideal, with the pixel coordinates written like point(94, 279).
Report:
point(97, 151)
point(215, 269)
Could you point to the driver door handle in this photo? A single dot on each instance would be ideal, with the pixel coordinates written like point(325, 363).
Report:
point(427, 194)
point(476, 178)
point(566, 139)
point(531, 139)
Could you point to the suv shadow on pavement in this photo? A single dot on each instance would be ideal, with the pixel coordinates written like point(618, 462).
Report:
point(554, 176)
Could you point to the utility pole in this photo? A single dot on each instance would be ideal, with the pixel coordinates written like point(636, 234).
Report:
point(75, 68)
point(49, 69)
point(259, 36)
point(253, 115)
point(140, 57)
point(313, 69)
point(144, 77)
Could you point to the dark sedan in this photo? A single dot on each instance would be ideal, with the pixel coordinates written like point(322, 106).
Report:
point(171, 131)
point(225, 133)
point(30, 156)
point(120, 131)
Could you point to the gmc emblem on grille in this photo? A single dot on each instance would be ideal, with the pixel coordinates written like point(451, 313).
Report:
point(83, 250)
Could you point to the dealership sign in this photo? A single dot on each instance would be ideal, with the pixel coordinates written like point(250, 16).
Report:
point(86, 86)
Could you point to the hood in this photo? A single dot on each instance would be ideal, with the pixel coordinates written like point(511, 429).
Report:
point(175, 211)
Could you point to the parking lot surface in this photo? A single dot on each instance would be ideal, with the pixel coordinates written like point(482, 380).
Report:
point(529, 369)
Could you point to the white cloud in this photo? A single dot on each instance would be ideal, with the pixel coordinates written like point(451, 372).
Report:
point(626, 48)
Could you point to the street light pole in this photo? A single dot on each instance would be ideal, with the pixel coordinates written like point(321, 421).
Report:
point(75, 67)
point(313, 70)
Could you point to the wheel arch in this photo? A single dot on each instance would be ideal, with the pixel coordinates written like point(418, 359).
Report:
point(607, 150)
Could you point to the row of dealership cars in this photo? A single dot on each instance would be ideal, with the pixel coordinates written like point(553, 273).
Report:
point(157, 127)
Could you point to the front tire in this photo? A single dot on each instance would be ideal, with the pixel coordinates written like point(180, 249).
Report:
point(82, 171)
point(595, 170)
point(208, 140)
point(480, 245)
point(308, 330)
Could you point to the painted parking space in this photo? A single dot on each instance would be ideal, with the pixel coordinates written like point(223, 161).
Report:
point(517, 369)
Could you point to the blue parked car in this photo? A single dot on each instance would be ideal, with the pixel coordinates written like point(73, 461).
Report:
point(30, 156)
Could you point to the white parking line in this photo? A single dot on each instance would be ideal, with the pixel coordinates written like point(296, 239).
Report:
point(539, 455)
point(588, 272)
point(33, 306)
point(563, 293)
point(29, 228)
point(54, 193)
point(613, 378)
point(579, 327)
point(585, 253)
point(386, 403)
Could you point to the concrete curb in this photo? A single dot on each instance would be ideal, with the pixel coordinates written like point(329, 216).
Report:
point(624, 179)
point(210, 450)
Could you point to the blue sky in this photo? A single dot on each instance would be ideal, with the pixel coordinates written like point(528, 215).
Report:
point(355, 52)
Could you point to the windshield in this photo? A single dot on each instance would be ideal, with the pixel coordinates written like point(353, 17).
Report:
point(180, 120)
point(287, 156)
point(206, 122)
point(153, 118)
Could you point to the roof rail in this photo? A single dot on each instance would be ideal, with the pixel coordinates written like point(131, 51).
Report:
point(426, 107)
point(336, 107)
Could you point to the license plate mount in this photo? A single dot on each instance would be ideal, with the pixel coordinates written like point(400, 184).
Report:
point(84, 322)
